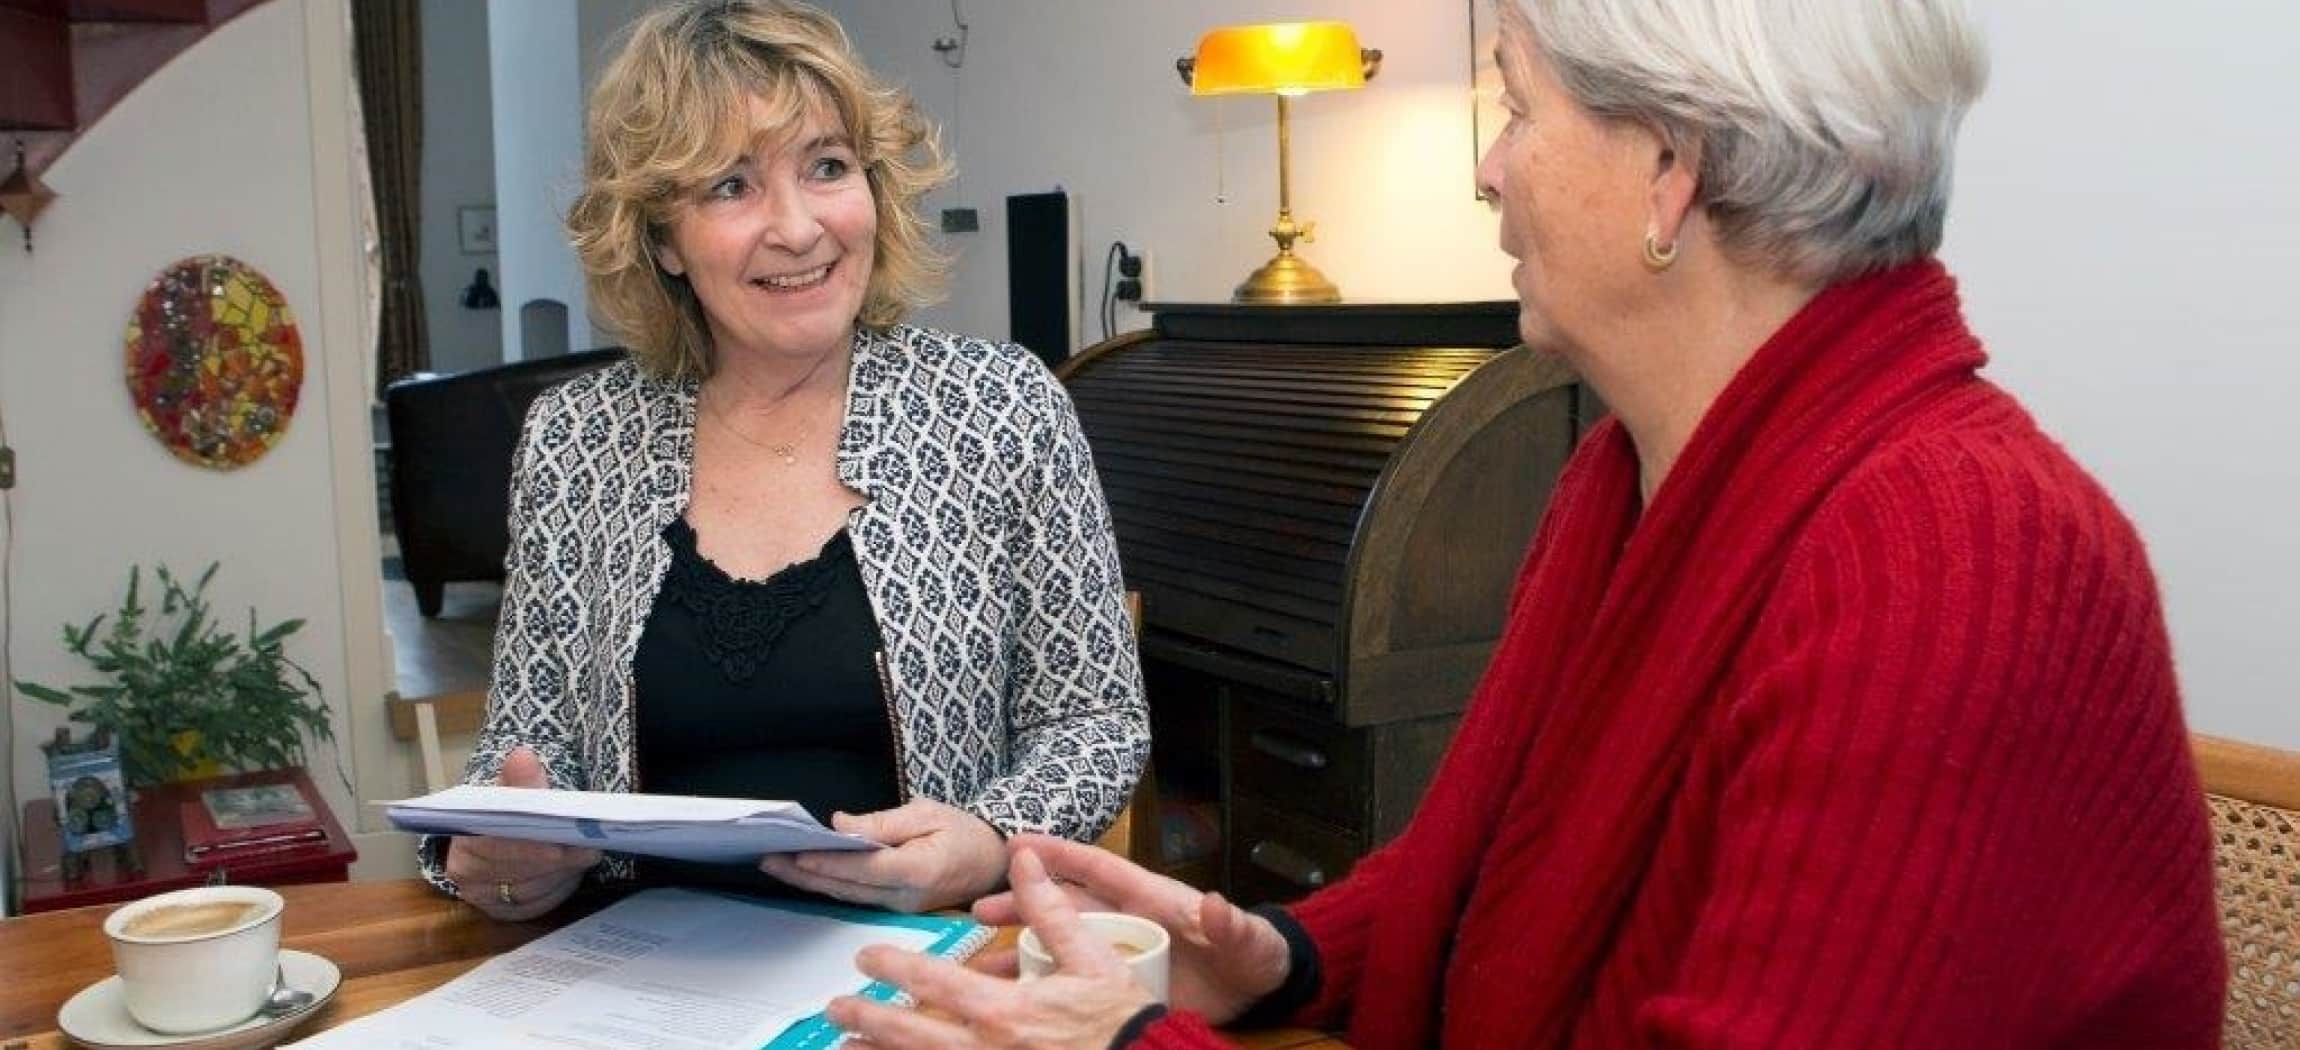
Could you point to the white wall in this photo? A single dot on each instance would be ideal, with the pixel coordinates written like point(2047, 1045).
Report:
point(1084, 95)
point(255, 165)
point(533, 55)
point(2128, 234)
point(2125, 226)
point(599, 26)
point(458, 171)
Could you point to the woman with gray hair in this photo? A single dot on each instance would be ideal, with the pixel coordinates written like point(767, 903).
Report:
point(1835, 706)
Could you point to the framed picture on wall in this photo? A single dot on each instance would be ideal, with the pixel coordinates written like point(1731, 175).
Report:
point(475, 229)
point(1486, 116)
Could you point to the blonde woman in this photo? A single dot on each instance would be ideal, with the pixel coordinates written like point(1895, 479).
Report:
point(794, 548)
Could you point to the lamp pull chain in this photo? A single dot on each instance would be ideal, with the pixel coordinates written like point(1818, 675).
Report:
point(1285, 161)
point(1221, 172)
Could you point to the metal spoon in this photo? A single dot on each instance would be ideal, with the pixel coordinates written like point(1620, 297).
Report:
point(283, 1000)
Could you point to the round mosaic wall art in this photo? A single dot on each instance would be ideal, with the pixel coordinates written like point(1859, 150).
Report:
point(214, 361)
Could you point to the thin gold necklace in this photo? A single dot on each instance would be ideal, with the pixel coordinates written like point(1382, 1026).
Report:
point(787, 451)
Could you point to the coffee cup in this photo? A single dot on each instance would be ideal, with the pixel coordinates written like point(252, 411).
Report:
point(196, 960)
point(1142, 945)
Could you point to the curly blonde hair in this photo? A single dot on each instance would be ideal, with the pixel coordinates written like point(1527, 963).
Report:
point(674, 109)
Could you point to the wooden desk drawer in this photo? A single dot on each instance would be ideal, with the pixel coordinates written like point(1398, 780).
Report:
point(1303, 763)
point(1277, 854)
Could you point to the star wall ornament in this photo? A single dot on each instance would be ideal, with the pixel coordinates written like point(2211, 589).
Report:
point(23, 196)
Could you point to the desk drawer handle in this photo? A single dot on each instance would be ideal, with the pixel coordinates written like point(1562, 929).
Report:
point(1287, 864)
point(1287, 749)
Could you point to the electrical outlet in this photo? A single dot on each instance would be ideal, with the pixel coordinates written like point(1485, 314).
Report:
point(1134, 277)
point(7, 468)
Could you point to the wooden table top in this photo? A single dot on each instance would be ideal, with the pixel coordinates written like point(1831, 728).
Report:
point(393, 940)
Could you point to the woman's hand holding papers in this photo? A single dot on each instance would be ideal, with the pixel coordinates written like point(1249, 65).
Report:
point(939, 856)
point(513, 880)
point(1083, 1004)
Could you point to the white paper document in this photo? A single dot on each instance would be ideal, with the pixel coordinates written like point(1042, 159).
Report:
point(682, 827)
point(666, 969)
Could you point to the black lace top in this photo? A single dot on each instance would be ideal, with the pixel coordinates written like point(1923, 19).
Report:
point(761, 689)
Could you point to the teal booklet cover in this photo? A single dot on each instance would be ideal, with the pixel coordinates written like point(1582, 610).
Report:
point(956, 937)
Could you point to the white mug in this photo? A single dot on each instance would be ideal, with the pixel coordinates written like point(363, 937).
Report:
point(1144, 946)
point(196, 960)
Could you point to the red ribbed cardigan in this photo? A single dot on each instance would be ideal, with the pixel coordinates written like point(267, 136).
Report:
point(1864, 734)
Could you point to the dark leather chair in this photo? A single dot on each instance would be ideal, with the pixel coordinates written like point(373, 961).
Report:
point(452, 438)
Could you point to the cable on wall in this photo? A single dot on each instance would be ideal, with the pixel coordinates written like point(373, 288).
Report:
point(10, 817)
point(953, 48)
point(1109, 305)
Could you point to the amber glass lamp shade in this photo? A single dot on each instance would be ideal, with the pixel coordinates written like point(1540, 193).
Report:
point(1284, 59)
point(1291, 58)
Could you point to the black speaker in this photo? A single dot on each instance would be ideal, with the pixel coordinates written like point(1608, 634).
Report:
point(1042, 273)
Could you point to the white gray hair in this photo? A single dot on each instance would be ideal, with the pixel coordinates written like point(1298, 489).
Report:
point(1827, 127)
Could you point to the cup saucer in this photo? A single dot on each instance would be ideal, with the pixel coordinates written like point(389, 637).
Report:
point(97, 1018)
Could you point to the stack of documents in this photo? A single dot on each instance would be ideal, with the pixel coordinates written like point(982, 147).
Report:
point(681, 827)
point(666, 969)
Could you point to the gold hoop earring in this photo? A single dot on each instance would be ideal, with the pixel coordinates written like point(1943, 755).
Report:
point(1658, 258)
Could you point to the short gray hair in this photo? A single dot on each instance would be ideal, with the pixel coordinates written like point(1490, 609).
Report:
point(1827, 127)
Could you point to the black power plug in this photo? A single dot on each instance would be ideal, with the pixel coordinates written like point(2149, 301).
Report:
point(1132, 269)
point(1129, 276)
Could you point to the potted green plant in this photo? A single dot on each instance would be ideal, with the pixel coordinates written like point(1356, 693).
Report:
point(183, 695)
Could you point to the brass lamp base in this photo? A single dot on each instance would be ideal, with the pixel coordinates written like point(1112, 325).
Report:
point(1287, 279)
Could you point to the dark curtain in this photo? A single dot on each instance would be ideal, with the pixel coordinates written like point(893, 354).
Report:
point(388, 39)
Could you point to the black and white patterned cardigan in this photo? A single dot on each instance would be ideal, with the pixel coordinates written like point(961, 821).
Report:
point(985, 548)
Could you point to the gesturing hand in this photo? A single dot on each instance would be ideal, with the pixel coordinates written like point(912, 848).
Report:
point(939, 856)
point(1082, 1004)
point(1224, 958)
point(511, 879)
